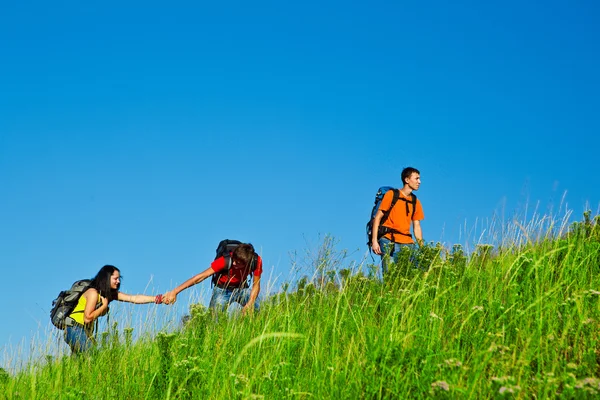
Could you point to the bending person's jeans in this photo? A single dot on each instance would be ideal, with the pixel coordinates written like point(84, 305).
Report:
point(222, 298)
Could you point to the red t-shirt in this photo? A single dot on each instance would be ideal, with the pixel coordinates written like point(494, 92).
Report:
point(236, 275)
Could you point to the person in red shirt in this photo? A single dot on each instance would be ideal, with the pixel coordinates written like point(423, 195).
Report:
point(401, 218)
point(232, 284)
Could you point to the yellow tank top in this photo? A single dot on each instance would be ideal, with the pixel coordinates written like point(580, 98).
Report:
point(78, 312)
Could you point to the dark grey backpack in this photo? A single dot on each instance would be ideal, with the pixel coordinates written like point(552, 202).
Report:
point(65, 303)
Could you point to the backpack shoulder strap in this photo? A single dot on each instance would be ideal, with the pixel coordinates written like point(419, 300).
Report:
point(386, 213)
point(254, 263)
point(228, 262)
point(225, 271)
point(413, 201)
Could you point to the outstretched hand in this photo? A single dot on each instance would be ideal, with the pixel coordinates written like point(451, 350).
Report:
point(169, 298)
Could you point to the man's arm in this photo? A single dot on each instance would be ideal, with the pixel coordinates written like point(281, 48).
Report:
point(171, 297)
point(254, 292)
point(418, 232)
point(376, 223)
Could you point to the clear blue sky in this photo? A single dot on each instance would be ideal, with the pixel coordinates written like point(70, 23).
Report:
point(140, 134)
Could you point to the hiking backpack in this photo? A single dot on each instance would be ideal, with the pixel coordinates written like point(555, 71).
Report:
point(386, 213)
point(225, 249)
point(65, 303)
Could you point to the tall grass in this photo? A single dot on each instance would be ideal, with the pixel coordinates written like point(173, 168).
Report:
point(509, 321)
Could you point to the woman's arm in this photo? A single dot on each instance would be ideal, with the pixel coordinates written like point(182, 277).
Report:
point(91, 312)
point(139, 298)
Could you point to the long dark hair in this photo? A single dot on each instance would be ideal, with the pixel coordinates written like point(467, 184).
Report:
point(101, 282)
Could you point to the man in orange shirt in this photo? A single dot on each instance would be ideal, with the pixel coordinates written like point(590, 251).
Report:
point(394, 233)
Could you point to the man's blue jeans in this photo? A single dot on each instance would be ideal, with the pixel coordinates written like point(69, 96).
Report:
point(222, 298)
point(389, 248)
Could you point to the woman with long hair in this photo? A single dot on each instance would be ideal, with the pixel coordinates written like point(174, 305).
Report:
point(93, 304)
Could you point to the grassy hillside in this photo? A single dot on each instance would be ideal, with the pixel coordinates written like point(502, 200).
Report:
point(515, 322)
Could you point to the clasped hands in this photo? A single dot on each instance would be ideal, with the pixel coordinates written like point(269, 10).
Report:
point(169, 298)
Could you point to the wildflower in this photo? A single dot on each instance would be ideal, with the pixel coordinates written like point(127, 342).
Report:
point(435, 316)
point(502, 379)
point(440, 385)
point(498, 348)
point(183, 344)
point(509, 389)
point(268, 376)
point(477, 308)
point(241, 379)
point(453, 362)
point(589, 384)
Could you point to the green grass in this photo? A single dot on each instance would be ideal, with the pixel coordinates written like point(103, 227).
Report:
point(522, 321)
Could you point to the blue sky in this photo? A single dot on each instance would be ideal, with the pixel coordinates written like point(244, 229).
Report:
point(140, 134)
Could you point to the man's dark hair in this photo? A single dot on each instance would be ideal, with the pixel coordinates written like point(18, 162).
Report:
point(101, 282)
point(407, 172)
point(244, 253)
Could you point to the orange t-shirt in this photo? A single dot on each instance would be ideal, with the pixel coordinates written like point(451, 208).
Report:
point(399, 219)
